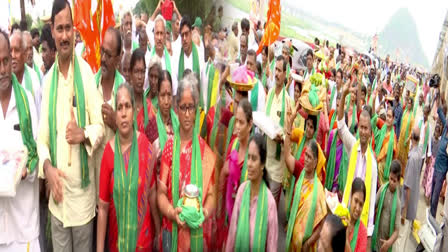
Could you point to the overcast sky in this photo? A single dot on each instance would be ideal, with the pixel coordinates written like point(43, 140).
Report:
point(363, 16)
point(370, 17)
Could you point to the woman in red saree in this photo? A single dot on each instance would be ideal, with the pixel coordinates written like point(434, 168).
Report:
point(143, 106)
point(127, 185)
point(186, 159)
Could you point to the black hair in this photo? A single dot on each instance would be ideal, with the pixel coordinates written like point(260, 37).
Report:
point(187, 72)
point(333, 72)
point(260, 141)
point(164, 76)
point(280, 57)
point(58, 6)
point(359, 186)
point(34, 33)
point(137, 55)
point(391, 109)
point(313, 118)
point(46, 36)
point(244, 94)
point(247, 109)
point(340, 72)
point(259, 68)
point(395, 167)
point(313, 145)
point(338, 232)
point(5, 35)
point(363, 89)
point(15, 26)
point(316, 41)
point(265, 50)
point(369, 109)
point(366, 113)
point(117, 36)
point(245, 25)
point(251, 52)
point(185, 21)
point(309, 53)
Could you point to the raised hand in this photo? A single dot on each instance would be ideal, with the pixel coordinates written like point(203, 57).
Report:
point(73, 134)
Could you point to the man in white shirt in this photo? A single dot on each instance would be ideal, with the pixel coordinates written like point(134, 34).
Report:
point(29, 58)
point(157, 37)
point(188, 57)
point(19, 215)
point(25, 75)
point(176, 43)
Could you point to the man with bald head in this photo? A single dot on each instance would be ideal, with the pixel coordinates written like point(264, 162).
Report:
point(362, 162)
point(19, 214)
point(25, 75)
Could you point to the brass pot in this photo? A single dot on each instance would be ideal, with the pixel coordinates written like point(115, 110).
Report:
point(191, 196)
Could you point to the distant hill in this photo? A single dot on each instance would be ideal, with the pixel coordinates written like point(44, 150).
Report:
point(401, 32)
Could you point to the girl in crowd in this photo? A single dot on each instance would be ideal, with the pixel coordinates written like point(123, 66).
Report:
point(254, 224)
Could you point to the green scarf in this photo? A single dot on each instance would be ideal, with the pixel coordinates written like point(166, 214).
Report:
point(196, 235)
point(295, 208)
point(254, 96)
point(333, 119)
point(28, 81)
point(242, 240)
point(333, 93)
point(292, 181)
point(26, 129)
point(163, 136)
point(229, 132)
point(406, 132)
point(118, 80)
point(282, 117)
point(331, 164)
point(180, 72)
point(393, 215)
point(81, 114)
point(216, 117)
point(390, 149)
point(145, 111)
point(343, 167)
point(352, 127)
point(210, 70)
point(125, 194)
point(425, 142)
point(36, 69)
point(354, 239)
point(236, 146)
point(196, 69)
point(167, 58)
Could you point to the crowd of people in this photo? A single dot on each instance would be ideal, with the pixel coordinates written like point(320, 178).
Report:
point(163, 149)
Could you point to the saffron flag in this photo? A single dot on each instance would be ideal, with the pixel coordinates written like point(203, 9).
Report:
point(92, 27)
point(272, 29)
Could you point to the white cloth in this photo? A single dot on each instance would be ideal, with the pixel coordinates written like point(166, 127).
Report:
point(19, 216)
point(37, 92)
point(261, 97)
point(150, 31)
point(21, 246)
point(361, 168)
point(422, 139)
point(188, 64)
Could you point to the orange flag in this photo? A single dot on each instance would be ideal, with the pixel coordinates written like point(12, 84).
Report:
point(92, 27)
point(272, 29)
